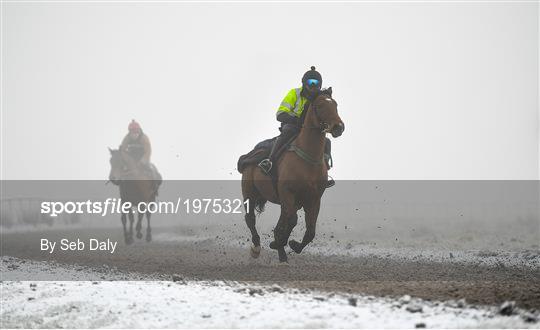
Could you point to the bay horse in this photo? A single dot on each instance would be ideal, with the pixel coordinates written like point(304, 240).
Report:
point(135, 186)
point(301, 179)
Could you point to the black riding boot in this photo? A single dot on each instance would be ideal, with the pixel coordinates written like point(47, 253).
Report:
point(287, 132)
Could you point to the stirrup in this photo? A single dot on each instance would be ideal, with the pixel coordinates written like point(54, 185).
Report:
point(265, 165)
point(331, 182)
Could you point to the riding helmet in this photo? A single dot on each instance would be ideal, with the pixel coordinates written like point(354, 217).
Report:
point(312, 74)
point(134, 126)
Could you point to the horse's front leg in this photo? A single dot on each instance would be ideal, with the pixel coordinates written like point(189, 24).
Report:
point(148, 228)
point(124, 225)
point(312, 212)
point(282, 230)
point(139, 224)
point(131, 220)
point(291, 223)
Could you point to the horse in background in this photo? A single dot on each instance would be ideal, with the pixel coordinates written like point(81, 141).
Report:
point(301, 179)
point(136, 185)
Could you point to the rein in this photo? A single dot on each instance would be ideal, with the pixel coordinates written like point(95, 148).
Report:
point(301, 153)
point(322, 125)
point(305, 156)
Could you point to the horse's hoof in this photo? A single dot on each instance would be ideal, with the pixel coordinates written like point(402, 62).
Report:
point(139, 235)
point(282, 255)
point(283, 263)
point(129, 240)
point(255, 251)
point(148, 238)
point(295, 246)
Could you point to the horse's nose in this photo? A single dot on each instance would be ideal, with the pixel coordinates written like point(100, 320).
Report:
point(338, 129)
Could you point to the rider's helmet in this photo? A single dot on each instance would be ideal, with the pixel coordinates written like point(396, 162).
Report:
point(312, 80)
point(134, 130)
point(134, 127)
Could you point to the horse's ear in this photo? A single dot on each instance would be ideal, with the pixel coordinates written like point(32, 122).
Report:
point(110, 150)
point(326, 91)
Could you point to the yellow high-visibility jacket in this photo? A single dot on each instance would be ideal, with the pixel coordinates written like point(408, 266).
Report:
point(293, 103)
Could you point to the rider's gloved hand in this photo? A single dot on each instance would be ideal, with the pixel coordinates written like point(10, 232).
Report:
point(288, 119)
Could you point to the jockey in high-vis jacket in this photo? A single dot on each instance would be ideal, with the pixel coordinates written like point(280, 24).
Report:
point(291, 113)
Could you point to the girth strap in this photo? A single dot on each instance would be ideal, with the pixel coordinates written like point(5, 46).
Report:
point(302, 154)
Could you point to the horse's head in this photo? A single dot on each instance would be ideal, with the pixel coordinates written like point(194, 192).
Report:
point(117, 165)
point(324, 108)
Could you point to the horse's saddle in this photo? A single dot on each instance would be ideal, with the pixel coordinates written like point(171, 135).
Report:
point(260, 151)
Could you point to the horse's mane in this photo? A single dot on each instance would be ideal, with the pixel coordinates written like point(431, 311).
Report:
point(124, 156)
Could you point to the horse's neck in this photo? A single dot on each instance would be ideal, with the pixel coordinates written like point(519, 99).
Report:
point(310, 139)
point(130, 163)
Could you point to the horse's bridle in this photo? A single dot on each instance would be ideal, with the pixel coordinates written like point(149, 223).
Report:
point(324, 127)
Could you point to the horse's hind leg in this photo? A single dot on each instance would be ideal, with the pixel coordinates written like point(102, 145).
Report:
point(139, 225)
point(148, 228)
point(250, 221)
point(312, 212)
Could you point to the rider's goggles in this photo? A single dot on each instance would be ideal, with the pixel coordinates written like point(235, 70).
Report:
point(313, 82)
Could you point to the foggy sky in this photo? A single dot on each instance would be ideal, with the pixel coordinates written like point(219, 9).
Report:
point(426, 91)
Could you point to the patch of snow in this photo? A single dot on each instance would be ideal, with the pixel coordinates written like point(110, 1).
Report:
point(217, 304)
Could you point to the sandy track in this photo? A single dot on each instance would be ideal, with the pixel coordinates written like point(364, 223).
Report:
point(207, 259)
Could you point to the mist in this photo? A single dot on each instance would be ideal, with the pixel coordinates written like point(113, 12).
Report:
point(427, 91)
